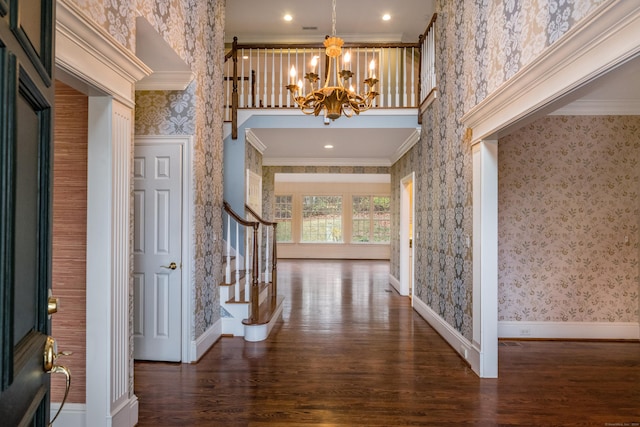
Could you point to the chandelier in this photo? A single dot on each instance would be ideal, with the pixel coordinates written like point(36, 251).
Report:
point(333, 99)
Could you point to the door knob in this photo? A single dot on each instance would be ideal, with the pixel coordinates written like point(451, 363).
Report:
point(171, 266)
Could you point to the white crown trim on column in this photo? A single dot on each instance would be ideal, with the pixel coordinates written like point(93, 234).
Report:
point(88, 51)
point(605, 39)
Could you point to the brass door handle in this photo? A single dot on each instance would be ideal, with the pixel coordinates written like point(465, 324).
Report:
point(50, 356)
point(171, 266)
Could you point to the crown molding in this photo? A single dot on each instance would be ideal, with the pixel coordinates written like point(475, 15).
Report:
point(603, 40)
point(406, 145)
point(287, 161)
point(166, 80)
point(88, 51)
point(170, 71)
point(612, 107)
point(253, 139)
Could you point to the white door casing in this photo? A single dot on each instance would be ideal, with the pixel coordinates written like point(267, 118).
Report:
point(157, 247)
point(407, 237)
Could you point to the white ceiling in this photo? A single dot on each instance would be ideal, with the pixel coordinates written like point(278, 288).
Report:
point(261, 21)
point(351, 147)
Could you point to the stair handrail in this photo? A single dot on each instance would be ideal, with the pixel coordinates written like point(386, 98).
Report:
point(274, 250)
point(254, 315)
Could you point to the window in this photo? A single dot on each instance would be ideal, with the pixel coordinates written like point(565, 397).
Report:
point(322, 219)
point(371, 219)
point(283, 215)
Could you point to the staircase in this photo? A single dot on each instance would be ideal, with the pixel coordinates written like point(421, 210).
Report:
point(248, 295)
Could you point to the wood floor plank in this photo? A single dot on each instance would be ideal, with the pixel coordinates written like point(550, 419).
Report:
point(349, 351)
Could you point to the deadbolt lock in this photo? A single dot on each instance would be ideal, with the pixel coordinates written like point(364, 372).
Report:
point(52, 305)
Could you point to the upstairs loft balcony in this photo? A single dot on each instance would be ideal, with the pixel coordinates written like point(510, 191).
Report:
point(256, 76)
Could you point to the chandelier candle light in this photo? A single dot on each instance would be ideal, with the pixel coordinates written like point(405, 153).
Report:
point(334, 99)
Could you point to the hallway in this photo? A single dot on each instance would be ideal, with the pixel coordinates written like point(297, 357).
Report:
point(350, 351)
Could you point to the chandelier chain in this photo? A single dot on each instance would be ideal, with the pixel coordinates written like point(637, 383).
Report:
point(333, 19)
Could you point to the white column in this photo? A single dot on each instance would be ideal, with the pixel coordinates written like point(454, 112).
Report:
point(108, 358)
point(485, 256)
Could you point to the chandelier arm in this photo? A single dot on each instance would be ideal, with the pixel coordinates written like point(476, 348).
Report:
point(334, 100)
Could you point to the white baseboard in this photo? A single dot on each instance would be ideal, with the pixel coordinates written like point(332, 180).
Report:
point(125, 415)
point(460, 344)
point(569, 330)
point(72, 414)
point(255, 333)
point(75, 414)
point(394, 282)
point(204, 342)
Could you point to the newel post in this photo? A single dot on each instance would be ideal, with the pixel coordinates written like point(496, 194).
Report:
point(255, 284)
point(274, 264)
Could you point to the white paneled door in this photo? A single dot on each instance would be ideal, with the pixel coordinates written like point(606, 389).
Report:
point(157, 278)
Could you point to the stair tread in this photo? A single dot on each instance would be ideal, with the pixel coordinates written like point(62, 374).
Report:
point(266, 310)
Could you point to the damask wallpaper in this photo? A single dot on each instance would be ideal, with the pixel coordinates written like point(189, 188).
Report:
point(568, 220)
point(195, 30)
point(479, 45)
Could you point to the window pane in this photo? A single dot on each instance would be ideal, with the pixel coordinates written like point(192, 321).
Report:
point(283, 211)
point(381, 219)
point(360, 219)
point(322, 219)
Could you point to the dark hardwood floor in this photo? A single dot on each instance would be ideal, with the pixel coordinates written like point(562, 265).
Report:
point(349, 351)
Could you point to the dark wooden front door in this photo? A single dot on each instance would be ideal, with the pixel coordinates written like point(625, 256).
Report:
point(26, 112)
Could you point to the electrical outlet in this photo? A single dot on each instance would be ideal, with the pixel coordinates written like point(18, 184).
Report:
point(525, 332)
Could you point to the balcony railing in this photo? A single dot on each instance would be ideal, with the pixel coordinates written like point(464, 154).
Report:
point(257, 75)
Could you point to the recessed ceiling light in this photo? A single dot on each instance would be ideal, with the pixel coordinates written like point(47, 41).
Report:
point(288, 17)
point(328, 146)
point(386, 17)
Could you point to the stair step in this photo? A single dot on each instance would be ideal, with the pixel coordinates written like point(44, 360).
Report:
point(266, 310)
point(262, 286)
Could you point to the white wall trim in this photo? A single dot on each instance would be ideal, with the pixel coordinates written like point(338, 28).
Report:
point(88, 52)
point(591, 107)
point(318, 161)
point(188, 231)
point(245, 114)
point(394, 282)
point(126, 414)
point(460, 344)
point(596, 44)
point(166, 80)
point(485, 256)
point(204, 342)
point(253, 139)
point(72, 414)
point(406, 146)
point(570, 330)
point(406, 253)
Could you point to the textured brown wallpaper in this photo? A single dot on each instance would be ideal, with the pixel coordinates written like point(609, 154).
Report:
point(69, 237)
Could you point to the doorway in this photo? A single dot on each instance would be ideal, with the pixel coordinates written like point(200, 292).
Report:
point(407, 241)
point(161, 243)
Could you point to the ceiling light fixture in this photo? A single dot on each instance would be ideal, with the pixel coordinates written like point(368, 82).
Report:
point(386, 17)
point(333, 99)
point(288, 17)
point(328, 146)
